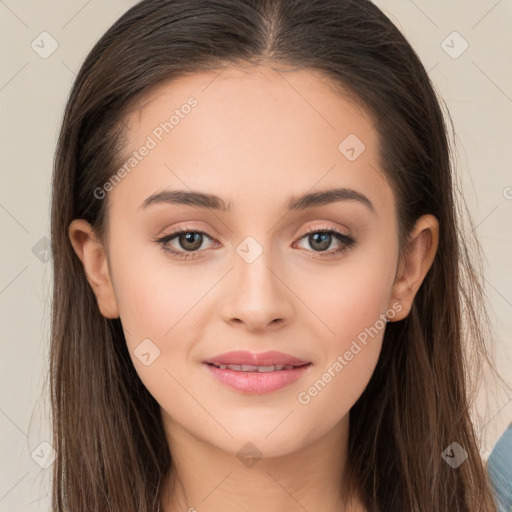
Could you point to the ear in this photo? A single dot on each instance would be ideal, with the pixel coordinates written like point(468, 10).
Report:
point(414, 264)
point(94, 259)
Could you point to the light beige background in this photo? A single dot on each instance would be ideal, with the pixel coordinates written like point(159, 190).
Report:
point(477, 87)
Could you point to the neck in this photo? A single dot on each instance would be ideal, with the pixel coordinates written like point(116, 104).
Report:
point(207, 478)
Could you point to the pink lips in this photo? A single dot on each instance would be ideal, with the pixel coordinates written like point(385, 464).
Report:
point(254, 381)
point(262, 359)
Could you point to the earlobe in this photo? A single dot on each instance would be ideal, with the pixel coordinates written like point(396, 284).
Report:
point(415, 263)
point(92, 254)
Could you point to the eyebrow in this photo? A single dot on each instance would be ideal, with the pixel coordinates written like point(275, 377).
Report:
point(296, 203)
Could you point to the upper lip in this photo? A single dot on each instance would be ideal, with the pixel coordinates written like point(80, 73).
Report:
point(256, 359)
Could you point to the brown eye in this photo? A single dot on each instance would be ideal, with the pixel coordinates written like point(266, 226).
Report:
point(321, 239)
point(188, 242)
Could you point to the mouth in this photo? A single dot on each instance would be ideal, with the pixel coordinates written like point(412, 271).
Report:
point(254, 373)
point(257, 369)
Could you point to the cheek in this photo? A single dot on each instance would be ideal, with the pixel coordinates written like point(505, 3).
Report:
point(348, 357)
point(157, 306)
point(153, 293)
point(161, 302)
point(350, 303)
point(351, 296)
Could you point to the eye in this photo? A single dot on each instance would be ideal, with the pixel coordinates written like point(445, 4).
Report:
point(192, 240)
point(189, 239)
point(321, 239)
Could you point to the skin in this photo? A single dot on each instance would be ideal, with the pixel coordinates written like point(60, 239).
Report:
point(256, 138)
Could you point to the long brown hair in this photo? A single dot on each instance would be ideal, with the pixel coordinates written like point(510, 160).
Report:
point(111, 448)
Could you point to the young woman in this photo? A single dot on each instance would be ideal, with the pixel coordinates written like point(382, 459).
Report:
point(262, 296)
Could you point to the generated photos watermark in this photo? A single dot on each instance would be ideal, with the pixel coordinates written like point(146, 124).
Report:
point(152, 141)
point(304, 397)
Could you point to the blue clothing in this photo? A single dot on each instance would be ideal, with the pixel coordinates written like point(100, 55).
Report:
point(499, 468)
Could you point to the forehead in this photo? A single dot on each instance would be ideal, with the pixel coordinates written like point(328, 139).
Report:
point(303, 101)
point(252, 132)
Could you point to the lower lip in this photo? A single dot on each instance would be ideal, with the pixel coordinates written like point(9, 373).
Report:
point(256, 382)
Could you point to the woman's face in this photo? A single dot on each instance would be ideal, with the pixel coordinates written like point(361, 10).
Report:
point(262, 277)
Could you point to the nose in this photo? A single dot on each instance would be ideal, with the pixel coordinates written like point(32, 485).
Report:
point(259, 294)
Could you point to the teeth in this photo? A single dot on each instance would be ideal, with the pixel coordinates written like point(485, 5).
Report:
point(252, 368)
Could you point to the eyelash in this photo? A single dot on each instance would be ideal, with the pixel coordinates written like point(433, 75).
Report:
point(346, 240)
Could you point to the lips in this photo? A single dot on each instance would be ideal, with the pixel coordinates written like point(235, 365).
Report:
point(254, 373)
point(250, 359)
